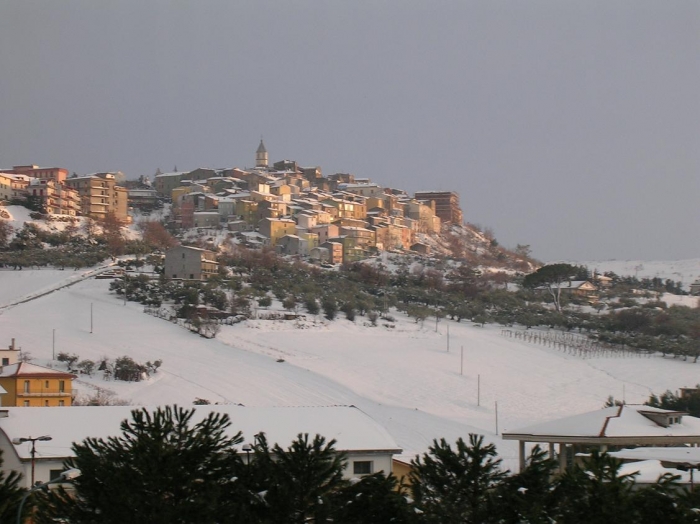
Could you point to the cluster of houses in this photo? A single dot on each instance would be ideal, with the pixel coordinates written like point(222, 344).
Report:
point(96, 195)
point(298, 211)
point(295, 209)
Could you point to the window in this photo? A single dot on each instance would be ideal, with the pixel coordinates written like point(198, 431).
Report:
point(192, 275)
point(183, 255)
point(5, 361)
point(55, 474)
point(26, 403)
point(62, 386)
point(362, 467)
point(46, 403)
point(26, 386)
point(46, 384)
point(61, 402)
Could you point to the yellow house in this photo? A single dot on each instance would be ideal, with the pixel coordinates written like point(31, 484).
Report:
point(177, 193)
point(276, 228)
point(29, 385)
point(247, 210)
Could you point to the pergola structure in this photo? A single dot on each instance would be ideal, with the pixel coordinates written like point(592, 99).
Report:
point(614, 427)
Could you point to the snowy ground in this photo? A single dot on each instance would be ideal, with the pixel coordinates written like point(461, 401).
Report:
point(686, 271)
point(404, 377)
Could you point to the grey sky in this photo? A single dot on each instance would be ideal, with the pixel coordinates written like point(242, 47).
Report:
point(570, 126)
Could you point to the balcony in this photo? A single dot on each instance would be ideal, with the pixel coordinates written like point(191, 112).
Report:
point(44, 394)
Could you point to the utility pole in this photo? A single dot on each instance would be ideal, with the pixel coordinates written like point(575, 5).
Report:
point(91, 318)
point(497, 417)
point(478, 390)
point(448, 337)
point(461, 362)
point(53, 345)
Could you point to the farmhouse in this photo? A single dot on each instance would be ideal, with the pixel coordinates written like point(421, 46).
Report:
point(368, 446)
point(576, 288)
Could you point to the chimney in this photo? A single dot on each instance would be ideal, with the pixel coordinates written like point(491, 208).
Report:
point(12, 346)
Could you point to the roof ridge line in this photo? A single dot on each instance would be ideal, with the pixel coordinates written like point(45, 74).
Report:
point(607, 419)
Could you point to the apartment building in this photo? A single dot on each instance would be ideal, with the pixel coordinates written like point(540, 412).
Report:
point(58, 174)
point(446, 204)
point(99, 196)
point(56, 198)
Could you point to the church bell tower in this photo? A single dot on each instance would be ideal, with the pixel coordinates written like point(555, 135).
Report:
point(261, 156)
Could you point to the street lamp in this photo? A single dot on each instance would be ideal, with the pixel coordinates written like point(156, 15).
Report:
point(247, 449)
point(33, 440)
point(66, 476)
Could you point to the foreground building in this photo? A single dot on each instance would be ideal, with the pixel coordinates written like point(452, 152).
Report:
point(368, 446)
point(609, 428)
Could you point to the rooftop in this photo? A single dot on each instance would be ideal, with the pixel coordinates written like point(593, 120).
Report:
point(616, 423)
point(348, 425)
point(25, 369)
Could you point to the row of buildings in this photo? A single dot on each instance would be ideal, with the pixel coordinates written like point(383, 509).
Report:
point(298, 211)
point(96, 195)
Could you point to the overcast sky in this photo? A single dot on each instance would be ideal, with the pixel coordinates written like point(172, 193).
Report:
point(570, 126)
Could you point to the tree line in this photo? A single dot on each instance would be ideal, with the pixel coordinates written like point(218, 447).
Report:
point(166, 468)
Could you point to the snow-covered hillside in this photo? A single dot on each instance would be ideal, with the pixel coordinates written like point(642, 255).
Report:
point(685, 271)
point(401, 373)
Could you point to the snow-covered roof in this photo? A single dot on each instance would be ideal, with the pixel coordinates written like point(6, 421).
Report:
point(649, 471)
point(15, 176)
point(25, 369)
point(618, 422)
point(671, 455)
point(349, 426)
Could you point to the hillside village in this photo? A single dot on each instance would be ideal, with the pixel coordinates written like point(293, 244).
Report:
point(295, 210)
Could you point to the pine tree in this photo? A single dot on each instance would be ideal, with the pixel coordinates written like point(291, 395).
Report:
point(164, 468)
point(595, 493)
point(659, 504)
point(527, 496)
point(296, 485)
point(11, 495)
point(457, 485)
point(374, 499)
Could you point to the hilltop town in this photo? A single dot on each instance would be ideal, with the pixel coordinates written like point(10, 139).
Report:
point(296, 210)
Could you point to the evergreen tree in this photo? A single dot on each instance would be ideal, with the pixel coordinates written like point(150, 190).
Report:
point(164, 468)
point(527, 496)
point(374, 499)
point(295, 485)
point(11, 495)
point(456, 485)
point(552, 277)
point(595, 493)
point(659, 504)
